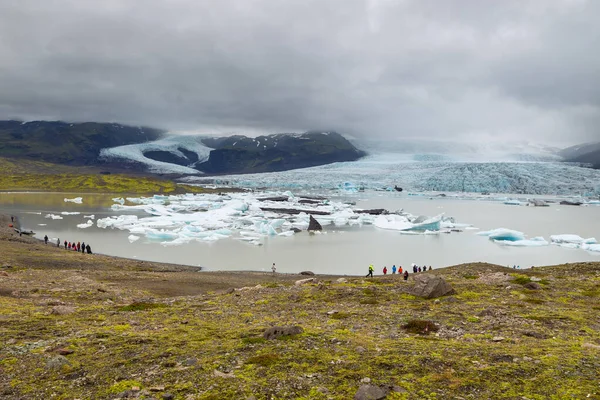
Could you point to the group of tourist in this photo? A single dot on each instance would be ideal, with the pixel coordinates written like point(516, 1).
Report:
point(415, 268)
point(79, 246)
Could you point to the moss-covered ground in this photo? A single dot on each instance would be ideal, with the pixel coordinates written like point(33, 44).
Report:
point(25, 175)
point(92, 329)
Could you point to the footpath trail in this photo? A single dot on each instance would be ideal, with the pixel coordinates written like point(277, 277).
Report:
point(79, 326)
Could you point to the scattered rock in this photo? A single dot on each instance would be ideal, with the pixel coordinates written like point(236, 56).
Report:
point(62, 310)
point(278, 331)
point(230, 290)
point(535, 279)
point(157, 388)
point(365, 380)
point(532, 286)
point(190, 362)
point(371, 392)
point(220, 374)
point(341, 280)
point(3, 273)
point(431, 286)
point(296, 230)
point(537, 335)
point(590, 346)
point(332, 312)
point(64, 351)
point(308, 273)
point(57, 362)
point(305, 281)
point(497, 338)
point(314, 225)
point(168, 396)
point(360, 349)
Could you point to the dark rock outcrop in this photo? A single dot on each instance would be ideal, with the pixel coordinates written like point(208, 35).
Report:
point(375, 211)
point(294, 211)
point(532, 286)
point(278, 331)
point(431, 286)
point(280, 152)
point(67, 143)
point(314, 225)
point(307, 273)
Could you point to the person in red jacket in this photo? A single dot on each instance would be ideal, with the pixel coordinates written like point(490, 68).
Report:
point(384, 270)
point(400, 270)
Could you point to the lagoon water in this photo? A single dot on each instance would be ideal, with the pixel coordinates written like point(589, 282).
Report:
point(338, 250)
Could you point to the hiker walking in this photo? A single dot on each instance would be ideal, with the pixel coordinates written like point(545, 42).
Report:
point(83, 247)
point(88, 249)
point(273, 269)
point(400, 270)
point(405, 275)
point(78, 246)
point(385, 270)
point(45, 239)
point(58, 243)
point(371, 269)
point(65, 244)
point(393, 269)
point(12, 218)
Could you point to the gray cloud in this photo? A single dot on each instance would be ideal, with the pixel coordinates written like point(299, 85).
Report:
point(464, 69)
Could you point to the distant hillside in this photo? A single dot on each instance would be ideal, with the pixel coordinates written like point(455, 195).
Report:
point(67, 143)
point(240, 154)
point(587, 153)
point(234, 154)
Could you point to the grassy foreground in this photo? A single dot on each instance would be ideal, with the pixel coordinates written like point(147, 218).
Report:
point(24, 175)
point(74, 326)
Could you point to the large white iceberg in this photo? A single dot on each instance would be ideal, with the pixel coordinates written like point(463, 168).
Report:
point(86, 225)
point(76, 200)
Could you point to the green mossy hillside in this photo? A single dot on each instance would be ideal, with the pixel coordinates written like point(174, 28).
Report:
point(489, 341)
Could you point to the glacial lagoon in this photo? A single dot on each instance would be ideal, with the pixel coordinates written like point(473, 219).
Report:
point(161, 230)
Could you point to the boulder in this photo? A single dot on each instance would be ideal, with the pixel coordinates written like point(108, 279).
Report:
point(62, 310)
point(371, 392)
point(308, 273)
point(278, 331)
point(305, 281)
point(532, 286)
point(430, 286)
point(57, 362)
point(314, 225)
point(296, 230)
point(3, 273)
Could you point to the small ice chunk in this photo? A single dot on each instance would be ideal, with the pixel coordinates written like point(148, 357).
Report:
point(119, 200)
point(89, 216)
point(133, 238)
point(86, 225)
point(76, 200)
point(52, 216)
point(70, 213)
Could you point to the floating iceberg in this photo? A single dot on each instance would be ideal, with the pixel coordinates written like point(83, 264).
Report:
point(513, 202)
point(76, 200)
point(70, 213)
point(509, 237)
point(403, 223)
point(86, 225)
point(133, 238)
point(591, 247)
point(52, 216)
point(503, 234)
point(572, 239)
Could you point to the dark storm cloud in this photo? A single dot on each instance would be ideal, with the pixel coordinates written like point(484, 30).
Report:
point(465, 69)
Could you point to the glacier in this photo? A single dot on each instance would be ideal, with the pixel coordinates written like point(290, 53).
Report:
point(172, 144)
point(386, 170)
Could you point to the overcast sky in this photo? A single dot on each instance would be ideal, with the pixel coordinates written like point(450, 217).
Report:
point(451, 69)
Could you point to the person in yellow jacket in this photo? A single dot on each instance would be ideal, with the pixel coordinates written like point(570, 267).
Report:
point(371, 269)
